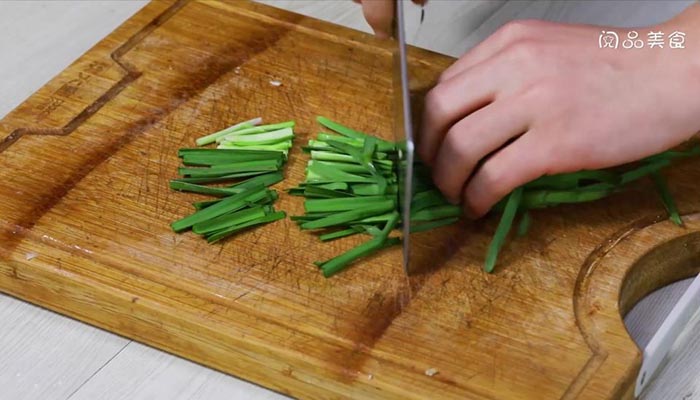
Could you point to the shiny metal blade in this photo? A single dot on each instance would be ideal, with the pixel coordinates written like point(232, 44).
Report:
point(403, 130)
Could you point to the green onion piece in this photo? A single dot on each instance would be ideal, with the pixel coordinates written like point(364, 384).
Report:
point(227, 156)
point(226, 205)
point(351, 215)
point(282, 146)
point(503, 228)
point(233, 168)
point(321, 155)
point(265, 138)
point(426, 226)
point(572, 180)
point(199, 205)
point(338, 263)
point(673, 154)
point(309, 217)
point(524, 225)
point(374, 219)
point(216, 179)
point(372, 230)
point(548, 198)
point(255, 130)
point(194, 188)
point(667, 198)
point(209, 152)
point(373, 189)
point(317, 192)
point(346, 167)
point(425, 199)
point(343, 130)
point(268, 179)
point(236, 228)
point(643, 171)
point(231, 219)
point(331, 186)
point(316, 173)
point(437, 212)
point(242, 125)
point(338, 234)
point(345, 203)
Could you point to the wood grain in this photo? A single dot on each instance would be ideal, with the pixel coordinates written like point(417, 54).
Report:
point(97, 145)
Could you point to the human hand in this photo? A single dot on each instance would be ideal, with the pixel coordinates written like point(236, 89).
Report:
point(539, 98)
point(380, 14)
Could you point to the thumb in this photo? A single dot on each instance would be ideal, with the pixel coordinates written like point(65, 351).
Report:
point(379, 15)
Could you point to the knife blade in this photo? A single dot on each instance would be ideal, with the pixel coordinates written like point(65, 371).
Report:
point(403, 130)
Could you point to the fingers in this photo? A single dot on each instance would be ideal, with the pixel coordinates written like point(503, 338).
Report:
point(472, 139)
point(379, 15)
point(522, 161)
point(451, 100)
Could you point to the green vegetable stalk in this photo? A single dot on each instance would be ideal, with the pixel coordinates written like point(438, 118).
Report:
point(247, 150)
point(351, 188)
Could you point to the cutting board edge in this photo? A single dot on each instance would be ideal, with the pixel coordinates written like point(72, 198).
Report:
point(68, 71)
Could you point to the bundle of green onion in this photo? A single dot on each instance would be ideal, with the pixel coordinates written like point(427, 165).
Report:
point(257, 153)
point(351, 188)
point(579, 187)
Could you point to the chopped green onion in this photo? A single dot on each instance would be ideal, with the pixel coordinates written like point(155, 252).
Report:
point(231, 219)
point(275, 216)
point(667, 198)
point(350, 215)
point(524, 225)
point(242, 125)
point(266, 138)
point(227, 205)
point(503, 228)
point(255, 130)
point(430, 225)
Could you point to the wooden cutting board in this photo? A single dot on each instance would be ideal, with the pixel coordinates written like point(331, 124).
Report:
point(85, 211)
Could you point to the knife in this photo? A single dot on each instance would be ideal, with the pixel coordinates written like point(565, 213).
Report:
point(403, 131)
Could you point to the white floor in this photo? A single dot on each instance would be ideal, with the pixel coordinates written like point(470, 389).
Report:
point(45, 356)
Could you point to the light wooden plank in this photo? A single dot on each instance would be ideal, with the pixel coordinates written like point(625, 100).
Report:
point(143, 373)
point(46, 356)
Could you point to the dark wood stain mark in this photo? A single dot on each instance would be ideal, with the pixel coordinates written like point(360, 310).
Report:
point(388, 303)
point(382, 309)
point(194, 81)
point(131, 74)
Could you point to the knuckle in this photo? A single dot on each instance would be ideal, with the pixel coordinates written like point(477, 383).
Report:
point(492, 179)
point(526, 51)
point(437, 100)
point(456, 144)
point(517, 29)
point(538, 92)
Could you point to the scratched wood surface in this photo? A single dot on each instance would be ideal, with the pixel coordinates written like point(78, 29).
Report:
point(86, 162)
